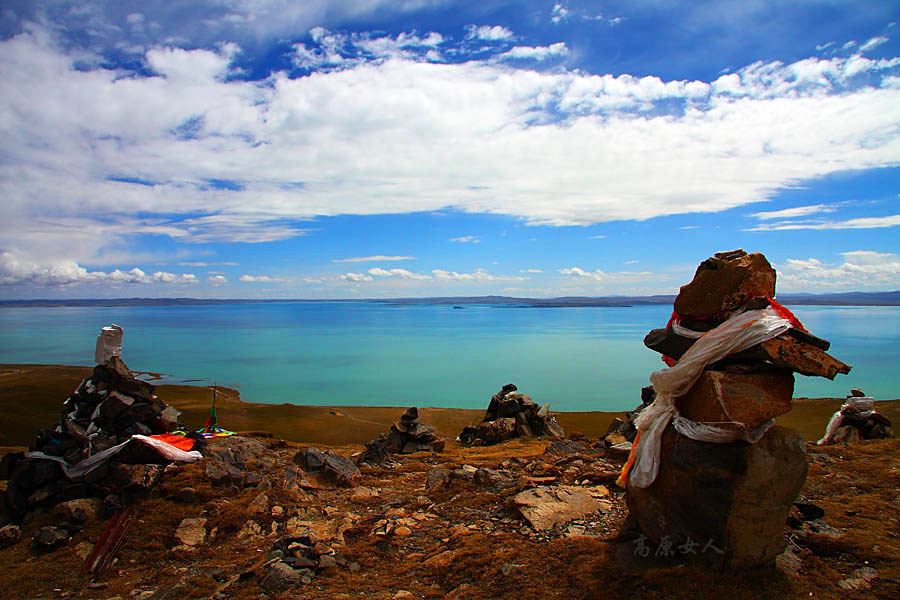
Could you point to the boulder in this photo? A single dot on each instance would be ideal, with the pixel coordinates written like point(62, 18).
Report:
point(328, 466)
point(548, 506)
point(191, 532)
point(9, 535)
point(722, 398)
point(733, 498)
point(725, 282)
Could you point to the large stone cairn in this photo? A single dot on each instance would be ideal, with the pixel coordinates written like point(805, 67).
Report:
point(105, 410)
point(405, 437)
point(732, 498)
point(510, 415)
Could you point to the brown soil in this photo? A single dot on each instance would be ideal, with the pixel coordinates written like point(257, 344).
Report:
point(466, 540)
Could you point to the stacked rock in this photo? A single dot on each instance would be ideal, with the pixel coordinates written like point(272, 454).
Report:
point(105, 410)
point(405, 437)
point(726, 477)
point(510, 415)
point(856, 420)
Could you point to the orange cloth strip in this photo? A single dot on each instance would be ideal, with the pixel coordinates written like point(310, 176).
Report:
point(623, 477)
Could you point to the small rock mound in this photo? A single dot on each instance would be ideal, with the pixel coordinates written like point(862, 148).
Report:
point(511, 415)
point(405, 437)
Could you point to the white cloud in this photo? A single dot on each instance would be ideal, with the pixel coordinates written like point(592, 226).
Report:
point(861, 270)
point(859, 223)
point(873, 43)
point(15, 270)
point(255, 278)
point(535, 52)
point(217, 279)
point(478, 275)
point(358, 277)
point(797, 211)
point(466, 239)
point(401, 273)
point(530, 271)
point(559, 13)
point(487, 33)
point(376, 258)
point(603, 277)
point(245, 161)
point(598, 237)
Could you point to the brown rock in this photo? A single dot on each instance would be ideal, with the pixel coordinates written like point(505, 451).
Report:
point(191, 532)
point(801, 357)
point(721, 398)
point(544, 507)
point(725, 282)
point(731, 499)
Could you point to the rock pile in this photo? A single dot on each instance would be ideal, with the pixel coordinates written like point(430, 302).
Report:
point(295, 559)
point(405, 437)
point(105, 410)
point(726, 477)
point(856, 420)
point(510, 415)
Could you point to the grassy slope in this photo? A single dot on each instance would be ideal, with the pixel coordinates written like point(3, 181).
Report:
point(31, 397)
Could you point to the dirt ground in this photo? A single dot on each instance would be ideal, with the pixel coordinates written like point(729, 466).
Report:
point(461, 540)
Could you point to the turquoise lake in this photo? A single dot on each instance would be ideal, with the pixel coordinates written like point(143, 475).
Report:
point(376, 354)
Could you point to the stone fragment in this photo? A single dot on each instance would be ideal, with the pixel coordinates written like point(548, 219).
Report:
point(732, 497)
point(329, 466)
point(9, 535)
point(723, 398)
point(280, 577)
point(860, 579)
point(546, 507)
point(191, 532)
point(80, 510)
point(724, 283)
point(50, 537)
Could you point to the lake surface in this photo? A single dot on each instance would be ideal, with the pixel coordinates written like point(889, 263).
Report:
point(375, 354)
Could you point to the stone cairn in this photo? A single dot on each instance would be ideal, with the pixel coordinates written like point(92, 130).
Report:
point(730, 497)
point(856, 420)
point(511, 415)
point(405, 437)
point(105, 410)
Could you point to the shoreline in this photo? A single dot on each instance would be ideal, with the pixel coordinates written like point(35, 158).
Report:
point(31, 396)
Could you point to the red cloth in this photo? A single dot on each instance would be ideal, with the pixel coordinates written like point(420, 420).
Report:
point(179, 441)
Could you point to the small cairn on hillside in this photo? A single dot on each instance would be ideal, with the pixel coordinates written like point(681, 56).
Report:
point(708, 466)
point(856, 420)
point(405, 437)
point(511, 415)
point(106, 410)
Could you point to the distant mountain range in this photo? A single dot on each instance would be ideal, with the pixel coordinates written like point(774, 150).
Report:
point(842, 299)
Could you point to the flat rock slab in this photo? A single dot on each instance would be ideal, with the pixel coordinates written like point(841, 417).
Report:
point(547, 506)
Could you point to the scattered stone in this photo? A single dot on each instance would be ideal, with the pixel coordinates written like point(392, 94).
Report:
point(546, 507)
point(860, 579)
point(50, 537)
point(191, 532)
point(402, 531)
point(80, 510)
point(510, 415)
point(280, 577)
point(9, 535)
point(83, 550)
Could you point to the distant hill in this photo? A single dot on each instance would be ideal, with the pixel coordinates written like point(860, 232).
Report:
point(841, 299)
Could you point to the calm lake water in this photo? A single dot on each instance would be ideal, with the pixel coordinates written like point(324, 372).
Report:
point(374, 354)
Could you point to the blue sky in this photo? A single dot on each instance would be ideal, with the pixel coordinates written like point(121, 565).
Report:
point(322, 149)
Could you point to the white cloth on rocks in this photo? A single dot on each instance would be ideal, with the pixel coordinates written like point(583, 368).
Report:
point(741, 331)
point(109, 344)
point(166, 451)
point(864, 406)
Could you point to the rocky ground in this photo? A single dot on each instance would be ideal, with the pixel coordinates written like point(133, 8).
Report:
point(249, 522)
